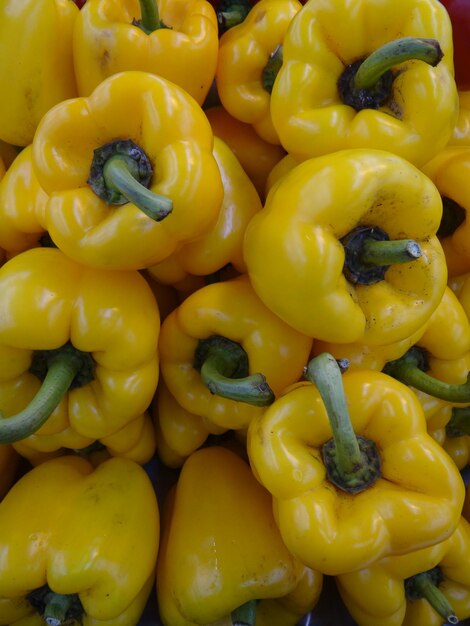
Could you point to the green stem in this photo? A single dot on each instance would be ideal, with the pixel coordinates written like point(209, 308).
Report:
point(425, 586)
point(410, 369)
point(325, 373)
point(223, 365)
point(61, 372)
point(393, 53)
point(56, 609)
point(459, 423)
point(389, 252)
point(117, 174)
point(230, 13)
point(271, 69)
point(150, 19)
point(245, 615)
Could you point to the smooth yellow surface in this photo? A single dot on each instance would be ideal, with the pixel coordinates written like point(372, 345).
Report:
point(295, 258)
point(327, 35)
point(231, 550)
point(37, 68)
point(416, 502)
point(106, 42)
point(173, 131)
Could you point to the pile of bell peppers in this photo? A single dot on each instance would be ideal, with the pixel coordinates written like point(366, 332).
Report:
point(234, 312)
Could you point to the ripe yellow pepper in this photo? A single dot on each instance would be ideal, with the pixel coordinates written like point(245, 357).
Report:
point(90, 335)
point(89, 550)
point(354, 475)
point(450, 170)
point(249, 58)
point(34, 76)
point(256, 156)
point(174, 39)
point(444, 422)
point(231, 554)
point(401, 590)
point(314, 252)
point(351, 79)
point(223, 243)
point(95, 157)
point(224, 355)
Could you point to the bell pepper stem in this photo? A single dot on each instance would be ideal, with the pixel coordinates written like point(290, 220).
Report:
point(56, 609)
point(223, 366)
point(425, 587)
point(117, 173)
point(150, 18)
point(325, 373)
point(409, 369)
point(393, 53)
point(231, 12)
point(60, 374)
point(245, 615)
point(389, 252)
point(459, 423)
point(271, 69)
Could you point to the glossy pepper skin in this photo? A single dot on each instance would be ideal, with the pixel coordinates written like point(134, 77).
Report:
point(173, 132)
point(36, 76)
point(229, 309)
point(438, 414)
point(245, 52)
point(48, 301)
point(106, 40)
point(256, 156)
point(22, 204)
point(232, 554)
point(101, 542)
point(415, 503)
point(223, 243)
point(449, 171)
point(296, 257)
point(325, 37)
point(377, 595)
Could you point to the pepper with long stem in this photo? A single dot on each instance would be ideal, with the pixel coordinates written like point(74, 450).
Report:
point(223, 365)
point(352, 462)
point(411, 370)
point(426, 585)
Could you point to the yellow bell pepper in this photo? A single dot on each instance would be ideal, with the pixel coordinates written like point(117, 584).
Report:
point(323, 264)
point(354, 475)
point(224, 355)
point(223, 243)
point(95, 157)
point(256, 156)
point(175, 39)
point(379, 76)
point(90, 335)
point(89, 550)
point(231, 553)
point(449, 170)
point(34, 76)
point(430, 587)
point(22, 203)
point(461, 134)
point(249, 58)
point(444, 422)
